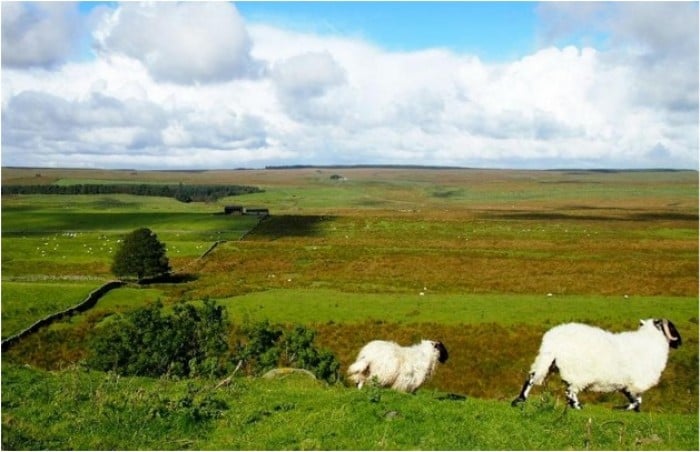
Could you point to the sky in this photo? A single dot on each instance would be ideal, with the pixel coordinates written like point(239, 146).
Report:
point(220, 85)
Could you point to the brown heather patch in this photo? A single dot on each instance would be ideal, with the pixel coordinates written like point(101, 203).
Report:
point(51, 348)
point(349, 253)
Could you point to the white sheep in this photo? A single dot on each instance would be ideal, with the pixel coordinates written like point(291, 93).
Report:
point(589, 358)
point(401, 368)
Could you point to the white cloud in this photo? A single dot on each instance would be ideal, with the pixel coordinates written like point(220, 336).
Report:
point(38, 34)
point(656, 41)
point(307, 75)
point(181, 42)
point(331, 100)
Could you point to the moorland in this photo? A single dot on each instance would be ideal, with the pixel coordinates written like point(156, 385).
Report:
point(484, 260)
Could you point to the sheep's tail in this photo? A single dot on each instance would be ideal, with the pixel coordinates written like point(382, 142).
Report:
point(357, 370)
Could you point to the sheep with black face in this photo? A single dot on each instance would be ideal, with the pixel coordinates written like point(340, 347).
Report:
point(589, 358)
point(401, 368)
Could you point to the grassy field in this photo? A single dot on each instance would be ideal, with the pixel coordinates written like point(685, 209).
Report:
point(74, 409)
point(325, 306)
point(55, 250)
point(499, 256)
point(23, 303)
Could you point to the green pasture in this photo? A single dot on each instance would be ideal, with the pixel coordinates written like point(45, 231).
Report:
point(75, 409)
point(127, 298)
point(118, 213)
point(23, 303)
point(88, 255)
point(322, 306)
point(70, 234)
point(48, 240)
point(121, 300)
point(327, 306)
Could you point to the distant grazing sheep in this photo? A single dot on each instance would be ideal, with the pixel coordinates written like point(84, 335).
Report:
point(401, 368)
point(590, 358)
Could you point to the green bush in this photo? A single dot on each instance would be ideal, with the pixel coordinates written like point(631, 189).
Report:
point(269, 346)
point(192, 341)
point(189, 342)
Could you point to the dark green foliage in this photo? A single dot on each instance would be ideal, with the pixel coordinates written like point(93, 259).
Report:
point(192, 342)
point(189, 342)
point(261, 353)
point(184, 193)
point(140, 254)
point(269, 346)
point(299, 351)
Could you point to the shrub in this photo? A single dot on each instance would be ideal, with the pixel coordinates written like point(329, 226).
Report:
point(189, 342)
point(300, 351)
point(192, 342)
point(261, 353)
point(269, 346)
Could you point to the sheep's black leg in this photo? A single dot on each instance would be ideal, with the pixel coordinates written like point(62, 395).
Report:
point(572, 397)
point(635, 400)
point(525, 390)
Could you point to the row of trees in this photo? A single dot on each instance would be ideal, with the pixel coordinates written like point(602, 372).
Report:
point(181, 192)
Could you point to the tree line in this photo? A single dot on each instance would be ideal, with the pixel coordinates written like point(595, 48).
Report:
point(181, 192)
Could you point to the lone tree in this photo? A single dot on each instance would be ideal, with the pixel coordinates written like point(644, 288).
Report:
point(140, 254)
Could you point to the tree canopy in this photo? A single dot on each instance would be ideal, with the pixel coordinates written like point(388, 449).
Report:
point(140, 254)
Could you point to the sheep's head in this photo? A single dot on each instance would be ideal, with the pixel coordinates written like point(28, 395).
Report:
point(442, 357)
point(667, 328)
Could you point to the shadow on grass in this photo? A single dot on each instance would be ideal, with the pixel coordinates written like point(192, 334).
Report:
point(172, 278)
point(278, 226)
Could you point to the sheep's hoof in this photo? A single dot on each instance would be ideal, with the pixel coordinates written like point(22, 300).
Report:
point(517, 401)
point(630, 407)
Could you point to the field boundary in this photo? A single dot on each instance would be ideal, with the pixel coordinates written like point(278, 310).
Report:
point(83, 306)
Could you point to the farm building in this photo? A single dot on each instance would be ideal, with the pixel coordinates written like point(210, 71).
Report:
point(240, 210)
point(233, 210)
